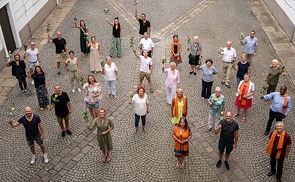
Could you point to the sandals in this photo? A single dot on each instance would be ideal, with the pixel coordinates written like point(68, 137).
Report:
point(135, 130)
point(104, 159)
point(235, 115)
point(143, 129)
point(108, 159)
point(209, 129)
point(244, 118)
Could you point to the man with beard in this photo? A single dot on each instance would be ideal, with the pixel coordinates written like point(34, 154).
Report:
point(279, 108)
point(34, 132)
point(62, 106)
point(250, 45)
point(144, 25)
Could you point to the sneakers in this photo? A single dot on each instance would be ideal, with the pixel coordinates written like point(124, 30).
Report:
point(69, 132)
point(152, 90)
point(73, 90)
point(63, 133)
point(26, 91)
point(218, 163)
point(33, 159)
point(23, 91)
point(32, 82)
point(45, 158)
point(79, 90)
point(226, 165)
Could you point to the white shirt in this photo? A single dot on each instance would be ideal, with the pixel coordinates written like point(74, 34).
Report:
point(147, 44)
point(110, 72)
point(32, 55)
point(140, 104)
point(145, 64)
point(251, 89)
point(228, 55)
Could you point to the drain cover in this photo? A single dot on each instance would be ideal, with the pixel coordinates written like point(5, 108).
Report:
point(155, 40)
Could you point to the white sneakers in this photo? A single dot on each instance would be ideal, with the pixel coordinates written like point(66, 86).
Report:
point(79, 90)
point(73, 90)
point(32, 82)
point(45, 158)
point(33, 160)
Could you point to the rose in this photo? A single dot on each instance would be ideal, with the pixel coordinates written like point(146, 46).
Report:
point(221, 113)
point(242, 35)
point(215, 99)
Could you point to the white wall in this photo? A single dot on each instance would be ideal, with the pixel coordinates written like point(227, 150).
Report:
point(288, 7)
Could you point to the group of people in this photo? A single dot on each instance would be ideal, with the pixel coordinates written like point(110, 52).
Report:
point(279, 144)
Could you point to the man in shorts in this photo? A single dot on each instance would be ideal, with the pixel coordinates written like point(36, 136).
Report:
point(33, 58)
point(146, 68)
point(228, 138)
point(60, 48)
point(62, 106)
point(34, 132)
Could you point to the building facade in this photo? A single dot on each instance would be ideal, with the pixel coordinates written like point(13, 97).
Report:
point(19, 19)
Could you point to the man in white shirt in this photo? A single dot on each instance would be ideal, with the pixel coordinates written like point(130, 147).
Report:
point(147, 44)
point(228, 58)
point(146, 68)
point(34, 59)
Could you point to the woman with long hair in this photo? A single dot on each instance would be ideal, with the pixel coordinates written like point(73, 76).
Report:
point(84, 32)
point(41, 87)
point(116, 47)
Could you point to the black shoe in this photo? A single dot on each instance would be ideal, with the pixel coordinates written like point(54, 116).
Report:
point(266, 132)
point(195, 73)
point(226, 165)
point(191, 72)
point(270, 173)
point(228, 86)
point(58, 72)
point(63, 133)
point(218, 163)
point(222, 82)
point(69, 132)
point(279, 180)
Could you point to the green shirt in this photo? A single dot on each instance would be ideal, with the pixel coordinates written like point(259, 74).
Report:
point(273, 76)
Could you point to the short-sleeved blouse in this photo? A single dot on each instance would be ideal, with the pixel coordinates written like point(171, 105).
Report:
point(89, 90)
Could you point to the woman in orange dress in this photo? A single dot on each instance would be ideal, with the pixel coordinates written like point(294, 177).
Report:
point(175, 48)
point(181, 134)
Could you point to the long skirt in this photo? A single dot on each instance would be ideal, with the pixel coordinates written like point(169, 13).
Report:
point(42, 96)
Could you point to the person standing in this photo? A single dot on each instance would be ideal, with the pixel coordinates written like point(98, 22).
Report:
point(60, 48)
point(195, 55)
point(62, 106)
point(104, 127)
point(74, 70)
point(228, 138)
point(147, 45)
point(144, 25)
point(34, 132)
point(250, 44)
point(141, 107)
point(84, 32)
point(19, 71)
point(272, 77)
point(228, 57)
point(93, 94)
point(175, 49)
point(207, 79)
point(95, 56)
point(244, 96)
point(116, 47)
point(242, 68)
point(278, 148)
point(181, 134)
point(172, 81)
point(110, 72)
point(41, 87)
point(216, 109)
point(280, 106)
point(179, 106)
point(146, 68)
point(33, 58)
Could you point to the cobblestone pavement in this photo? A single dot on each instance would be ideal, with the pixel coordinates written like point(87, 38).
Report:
point(148, 156)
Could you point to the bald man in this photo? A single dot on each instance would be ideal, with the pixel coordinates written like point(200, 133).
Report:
point(34, 132)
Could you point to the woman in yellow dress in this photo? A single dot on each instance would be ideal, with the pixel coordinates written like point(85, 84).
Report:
point(179, 106)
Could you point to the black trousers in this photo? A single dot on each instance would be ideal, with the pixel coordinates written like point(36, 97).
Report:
point(273, 162)
point(206, 89)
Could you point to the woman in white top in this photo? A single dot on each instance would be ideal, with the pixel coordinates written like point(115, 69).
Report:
point(92, 91)
point(141, 107)
point(110, 72)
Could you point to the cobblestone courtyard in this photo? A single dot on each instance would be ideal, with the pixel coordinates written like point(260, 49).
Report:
point(148, 156)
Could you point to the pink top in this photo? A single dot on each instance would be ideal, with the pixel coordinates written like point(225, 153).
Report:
point(172, 79)
point(89, 90)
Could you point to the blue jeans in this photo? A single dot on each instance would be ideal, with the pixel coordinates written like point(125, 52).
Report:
point(273, 115)
point(137, 117)
point(238, 80)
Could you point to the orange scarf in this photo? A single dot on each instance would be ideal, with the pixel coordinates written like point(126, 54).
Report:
point(172, 48)
point(175, 109)
point(245, 93)
point(185, 135)
point(280, 144)
point(285, 104)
